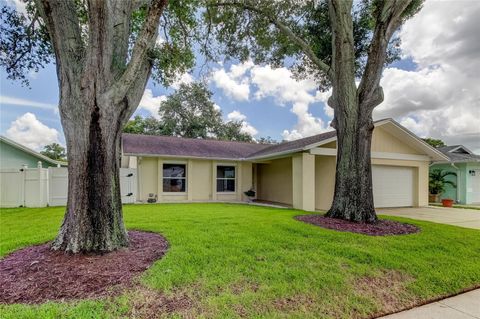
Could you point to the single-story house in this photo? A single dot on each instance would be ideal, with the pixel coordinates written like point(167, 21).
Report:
point(16, 156)
point(466, 165)
point(300, 173)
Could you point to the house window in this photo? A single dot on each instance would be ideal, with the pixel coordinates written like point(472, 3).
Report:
point(174, 178)
point(225, 179)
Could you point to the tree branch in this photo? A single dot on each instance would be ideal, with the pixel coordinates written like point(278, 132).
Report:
point(389, 19)
point(307, 50)
point(62, 23)
point(144, 43)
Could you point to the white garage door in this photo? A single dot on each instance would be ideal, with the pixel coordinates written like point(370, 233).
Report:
point(393, 186)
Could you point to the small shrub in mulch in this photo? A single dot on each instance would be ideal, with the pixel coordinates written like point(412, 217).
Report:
point(381, 228)
point(37, 274)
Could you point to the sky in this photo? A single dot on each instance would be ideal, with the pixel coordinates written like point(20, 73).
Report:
point(434, 90)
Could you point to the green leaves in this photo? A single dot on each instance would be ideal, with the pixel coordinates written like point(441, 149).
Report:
point(438, 181)
point(54, 151)
point(24, 44)
point(189, 112)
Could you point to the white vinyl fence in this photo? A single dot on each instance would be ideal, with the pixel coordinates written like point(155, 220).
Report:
point(40, 187)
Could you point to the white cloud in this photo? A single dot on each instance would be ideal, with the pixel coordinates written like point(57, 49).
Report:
point(19, 5)
point(29, 131)
point(9, 100)
point(185, 78)
point(151, 103)
point(236, 116)
point(441, 98)
point(280, 84)
point(233, 83)
point(277, 83)
point(239, 70)
point(239, 117)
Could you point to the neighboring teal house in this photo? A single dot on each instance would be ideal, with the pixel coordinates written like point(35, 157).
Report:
point(15, 155)
point(467, 166)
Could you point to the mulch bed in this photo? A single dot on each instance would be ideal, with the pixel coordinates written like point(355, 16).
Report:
point(37, 274)
point(381, 228)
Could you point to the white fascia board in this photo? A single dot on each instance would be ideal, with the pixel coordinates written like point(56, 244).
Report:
point(324, 151)
point(460, 147)
point(380, 155)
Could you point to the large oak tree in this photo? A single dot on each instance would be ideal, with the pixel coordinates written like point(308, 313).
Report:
point(340, 44)
point(104, 52)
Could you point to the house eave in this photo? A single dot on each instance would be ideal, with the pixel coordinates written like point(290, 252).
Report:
point(31, 152)
point(185, 156)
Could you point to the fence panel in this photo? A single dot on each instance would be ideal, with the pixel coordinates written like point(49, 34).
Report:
point(128, 185)
point(58, 185)
point(12, 184)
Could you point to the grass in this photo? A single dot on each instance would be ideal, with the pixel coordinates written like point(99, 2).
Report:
point(233, 261)
point(457, 206)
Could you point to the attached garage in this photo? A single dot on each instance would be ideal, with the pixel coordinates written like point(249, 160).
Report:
point(393, 186)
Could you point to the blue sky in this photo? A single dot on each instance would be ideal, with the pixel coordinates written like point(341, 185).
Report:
point(434, 90)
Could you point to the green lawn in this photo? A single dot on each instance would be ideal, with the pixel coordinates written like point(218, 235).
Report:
point(228, 261)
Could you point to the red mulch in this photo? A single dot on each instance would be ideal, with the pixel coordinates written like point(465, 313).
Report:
point(37, 274)
point(381, 228)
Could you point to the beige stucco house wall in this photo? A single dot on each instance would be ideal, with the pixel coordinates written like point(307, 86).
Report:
point(200, 178)
point(274, 181)
point(382, 142)
point(303, 178)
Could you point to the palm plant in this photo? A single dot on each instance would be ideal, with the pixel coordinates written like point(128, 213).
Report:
point(438, 181)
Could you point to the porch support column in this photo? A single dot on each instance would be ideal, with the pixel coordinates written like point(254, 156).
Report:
point(303, 179)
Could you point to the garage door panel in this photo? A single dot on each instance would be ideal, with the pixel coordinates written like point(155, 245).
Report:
point(393, 186)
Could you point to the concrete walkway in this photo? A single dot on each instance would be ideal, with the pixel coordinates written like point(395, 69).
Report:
point(469, 218)
point(464, 306)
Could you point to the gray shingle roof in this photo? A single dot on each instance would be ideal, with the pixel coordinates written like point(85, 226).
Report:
point(188, 147)
point(296, 145)
point(458, 157)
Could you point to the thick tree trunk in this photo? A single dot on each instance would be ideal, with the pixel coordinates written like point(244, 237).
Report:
point(93, 220)
point(353, 197)
point(101, 85)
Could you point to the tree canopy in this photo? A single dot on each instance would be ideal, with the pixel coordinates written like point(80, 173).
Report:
point(26, 43)
point(297, 34)
point(434, 142)
point(54, 151)
point(189, 112)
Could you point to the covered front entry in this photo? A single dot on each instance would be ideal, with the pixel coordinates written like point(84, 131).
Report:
point(307, 181)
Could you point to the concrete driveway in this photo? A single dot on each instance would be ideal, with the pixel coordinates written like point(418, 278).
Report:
point(464, 306)
point(468, 218)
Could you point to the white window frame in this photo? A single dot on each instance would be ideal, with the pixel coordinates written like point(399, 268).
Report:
point(226, 178)
point(183, 178)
